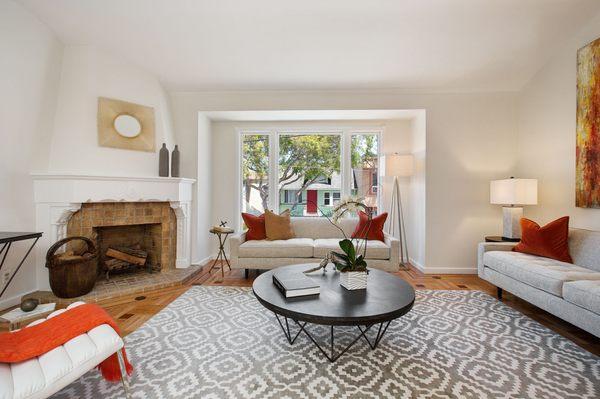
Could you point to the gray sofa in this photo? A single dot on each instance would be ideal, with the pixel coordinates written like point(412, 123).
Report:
point(568, 291)
point(315, 237)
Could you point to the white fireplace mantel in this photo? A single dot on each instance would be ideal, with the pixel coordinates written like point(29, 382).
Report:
point(58, 195)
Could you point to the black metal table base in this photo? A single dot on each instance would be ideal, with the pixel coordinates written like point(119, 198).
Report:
point(4, 252)
point(331, 355)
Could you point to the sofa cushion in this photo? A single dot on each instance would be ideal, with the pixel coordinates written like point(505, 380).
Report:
point(375, 249)
point(583, 293)
point(320, 227)
point(278, 227)
point(371, 229)
point(550, 241)
point(292, 248)
point(543, 273)
point(256, 226)
point(584, 246)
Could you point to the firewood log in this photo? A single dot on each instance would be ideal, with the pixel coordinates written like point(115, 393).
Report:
point(137, 257)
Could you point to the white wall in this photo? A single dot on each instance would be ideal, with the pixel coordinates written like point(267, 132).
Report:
point(470, 141)
point(29, 71)
point(88, 73)
point(547, 121)
point(417, 198)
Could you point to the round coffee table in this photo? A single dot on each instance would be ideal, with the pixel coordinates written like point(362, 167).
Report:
point(386, 298)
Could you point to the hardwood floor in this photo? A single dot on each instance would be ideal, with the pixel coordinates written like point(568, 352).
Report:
point(131, 312)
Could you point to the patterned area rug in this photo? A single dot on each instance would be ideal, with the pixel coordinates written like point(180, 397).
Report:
point(219, 342)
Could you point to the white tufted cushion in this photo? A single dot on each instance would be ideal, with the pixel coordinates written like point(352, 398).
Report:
point(49, 373)
point(536, 271)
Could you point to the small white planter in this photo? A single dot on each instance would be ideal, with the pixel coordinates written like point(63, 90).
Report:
point(354, 280)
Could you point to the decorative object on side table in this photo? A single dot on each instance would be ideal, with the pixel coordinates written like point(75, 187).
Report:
point(72, 275)
point(587, 188)
point(163, 161)
point(29, 304)
point(500, 239)
point(125, 125)
point(222, 232)
point(508, 193)
point(7, 239)
point(175, 162)
point(398, 165)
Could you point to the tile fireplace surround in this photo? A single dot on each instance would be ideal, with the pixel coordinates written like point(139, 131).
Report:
point(112, 201)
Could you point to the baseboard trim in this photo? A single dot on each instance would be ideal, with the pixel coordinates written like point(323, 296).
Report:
point(416, 264)
point(202, 262)
point(443, 270)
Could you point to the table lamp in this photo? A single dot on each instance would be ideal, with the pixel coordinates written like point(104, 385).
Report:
point(398, 165)
point(511, 193)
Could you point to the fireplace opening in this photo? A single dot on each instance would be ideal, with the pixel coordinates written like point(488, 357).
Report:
point(129, 248)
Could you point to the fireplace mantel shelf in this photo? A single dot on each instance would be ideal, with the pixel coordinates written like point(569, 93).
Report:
point(59, 195)
point(76, 176)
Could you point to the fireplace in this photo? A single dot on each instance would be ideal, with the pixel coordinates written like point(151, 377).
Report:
point(146, 226)
point(75, 204)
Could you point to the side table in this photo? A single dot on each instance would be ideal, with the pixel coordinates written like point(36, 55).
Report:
point(500, 239)
point(222, 234)
point(6, 239)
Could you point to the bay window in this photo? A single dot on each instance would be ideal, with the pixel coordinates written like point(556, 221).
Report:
point(308, 171)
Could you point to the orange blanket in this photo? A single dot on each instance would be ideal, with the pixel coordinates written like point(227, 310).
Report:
point(36, 340)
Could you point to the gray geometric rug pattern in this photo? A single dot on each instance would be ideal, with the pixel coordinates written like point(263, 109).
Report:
point(219, 342)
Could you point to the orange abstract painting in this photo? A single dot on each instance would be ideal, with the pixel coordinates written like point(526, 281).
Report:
point(588, 126)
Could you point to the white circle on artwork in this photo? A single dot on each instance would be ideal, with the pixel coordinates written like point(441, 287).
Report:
point(127, 126)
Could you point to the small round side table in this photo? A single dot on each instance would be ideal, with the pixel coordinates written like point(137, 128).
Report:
point(222, 235)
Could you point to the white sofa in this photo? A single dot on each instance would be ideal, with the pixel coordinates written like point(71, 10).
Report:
point(47, 374)
point(315, 237)
point(569, 291)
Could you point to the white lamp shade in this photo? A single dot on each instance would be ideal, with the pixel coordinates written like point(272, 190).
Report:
point(513, 192)
point(399, 165)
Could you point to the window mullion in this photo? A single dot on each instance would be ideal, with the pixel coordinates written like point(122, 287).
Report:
point(346, 164)
point(274, 171)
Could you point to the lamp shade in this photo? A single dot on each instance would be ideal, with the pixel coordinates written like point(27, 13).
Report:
point(513, 191)
point(399, 165)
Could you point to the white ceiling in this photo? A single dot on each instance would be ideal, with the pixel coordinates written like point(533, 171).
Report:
point(324, 44)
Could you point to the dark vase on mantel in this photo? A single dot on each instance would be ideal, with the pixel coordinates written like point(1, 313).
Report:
point(175, 162)
point(163, 161)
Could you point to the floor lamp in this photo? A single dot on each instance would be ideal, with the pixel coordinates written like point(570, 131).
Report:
point(398, 165)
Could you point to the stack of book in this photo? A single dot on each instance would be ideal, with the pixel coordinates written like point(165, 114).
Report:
point(295, 284)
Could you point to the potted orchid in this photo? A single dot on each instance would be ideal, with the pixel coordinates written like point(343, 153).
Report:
point(350, 260)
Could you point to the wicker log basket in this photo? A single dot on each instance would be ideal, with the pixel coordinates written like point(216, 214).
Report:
point(72, 275)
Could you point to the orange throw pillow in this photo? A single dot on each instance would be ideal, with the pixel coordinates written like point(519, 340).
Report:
point(550, 241)
point(256, 226)
point(279, 227)
point(373, 228)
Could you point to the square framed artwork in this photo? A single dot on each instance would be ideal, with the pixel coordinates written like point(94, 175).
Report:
point(125, 125)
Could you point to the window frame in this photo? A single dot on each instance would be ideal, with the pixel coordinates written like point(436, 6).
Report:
point(345, 133)
point(327, 198)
